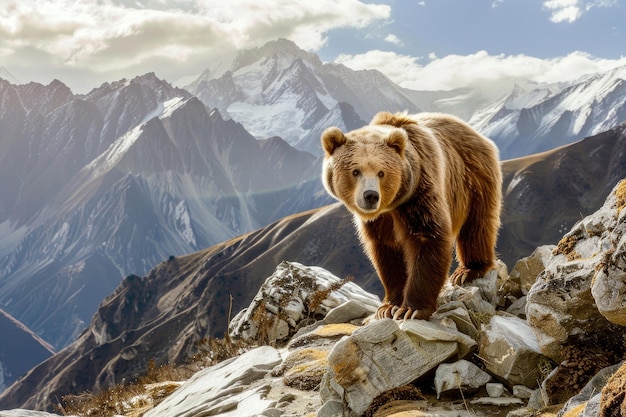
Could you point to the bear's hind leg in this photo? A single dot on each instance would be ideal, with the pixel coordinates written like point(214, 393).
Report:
point(475, 249)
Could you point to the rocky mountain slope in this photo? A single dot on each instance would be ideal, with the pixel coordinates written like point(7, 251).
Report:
point(97, 186)
point(20, 350)
point(163, 315)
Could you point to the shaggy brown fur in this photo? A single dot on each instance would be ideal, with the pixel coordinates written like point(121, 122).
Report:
point(415, 184)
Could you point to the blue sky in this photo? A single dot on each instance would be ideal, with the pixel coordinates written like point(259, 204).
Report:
point(427, 44)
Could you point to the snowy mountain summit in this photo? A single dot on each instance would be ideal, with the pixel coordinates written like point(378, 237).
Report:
point(281, 90)
point(536, 118)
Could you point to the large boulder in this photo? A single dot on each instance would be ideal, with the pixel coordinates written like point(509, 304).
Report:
point(510, 351)
point(383, 355)
point(577, 299)
point(293, 296)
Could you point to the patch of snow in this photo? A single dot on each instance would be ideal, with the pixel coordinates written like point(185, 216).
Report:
point(183, 223)
point(282, 119)
point(170, 106)
point(109, 158)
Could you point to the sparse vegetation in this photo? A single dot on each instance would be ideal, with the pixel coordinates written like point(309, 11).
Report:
point(135, 398)
point(123, 398)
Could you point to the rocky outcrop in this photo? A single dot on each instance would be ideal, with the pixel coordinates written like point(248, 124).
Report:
point(351, 366)
point(295, 295)
point(575, 306)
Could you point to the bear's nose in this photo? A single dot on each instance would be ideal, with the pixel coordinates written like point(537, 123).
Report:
point(371, 197)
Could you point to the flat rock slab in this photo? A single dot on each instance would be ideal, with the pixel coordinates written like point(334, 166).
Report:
point(223, 387)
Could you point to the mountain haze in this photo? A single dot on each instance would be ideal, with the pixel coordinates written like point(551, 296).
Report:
point(114, 182)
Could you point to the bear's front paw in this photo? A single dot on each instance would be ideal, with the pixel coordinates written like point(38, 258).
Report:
point(464, 275)
point(389, 311)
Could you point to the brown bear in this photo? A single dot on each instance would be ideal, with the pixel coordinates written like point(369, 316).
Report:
point(416, 184)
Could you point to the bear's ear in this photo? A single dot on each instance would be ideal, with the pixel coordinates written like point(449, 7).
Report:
point(332, 138)
point(397, 140)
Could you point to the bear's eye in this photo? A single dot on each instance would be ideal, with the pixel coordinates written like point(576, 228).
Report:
point(356, 172)
point(381, 174)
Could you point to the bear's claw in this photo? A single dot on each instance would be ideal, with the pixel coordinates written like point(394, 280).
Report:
point(390, 311)
point(463, 275)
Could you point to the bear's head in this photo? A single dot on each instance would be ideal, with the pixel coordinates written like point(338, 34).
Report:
point(366, 168)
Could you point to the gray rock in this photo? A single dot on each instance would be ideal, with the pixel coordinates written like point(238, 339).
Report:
point(580, 292)
point(495, 389)
point(380, 356)
point(458, 313)
point(331, 409)
point(229, 385)
point(25, 413)
point(527, 269)
point(593, 387)
point(349, 310)
point(500, 402)
point(509, 350)
point(293, 293)
point(518, 308)
point(521, 391)
point(460, 375)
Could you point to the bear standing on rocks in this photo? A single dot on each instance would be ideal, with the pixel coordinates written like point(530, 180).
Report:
point(415, 184)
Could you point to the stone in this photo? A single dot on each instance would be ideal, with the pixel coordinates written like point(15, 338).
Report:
point(380, 356)
point(229, 385)
point(331, 409)
point(518, 308)
point(457, 312)
point(499, 402)
point(577, 299)
point(350, 310)
point(494, 389)
point(521, 391)
point(293, 294)
point(593, 387)
point(527, 269)
point(424, 332)
point(460, 375)
point(25, 413)
point(510, 351)
point(472, 299)
point(613, 402)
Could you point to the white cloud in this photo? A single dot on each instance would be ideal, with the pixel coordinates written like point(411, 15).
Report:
point(563, 10)
point(116, 37)
point(572, 10)
point(456, 71)
point(391, 38)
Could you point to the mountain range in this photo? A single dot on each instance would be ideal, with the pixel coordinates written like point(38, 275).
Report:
point(106, 185)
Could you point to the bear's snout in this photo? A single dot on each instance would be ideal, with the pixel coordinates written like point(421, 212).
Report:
point(371, 198)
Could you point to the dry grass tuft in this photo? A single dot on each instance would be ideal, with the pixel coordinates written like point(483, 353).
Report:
point(320, 295)
point(135, 398)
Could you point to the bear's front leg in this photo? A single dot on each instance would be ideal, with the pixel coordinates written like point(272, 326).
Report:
point(428, 261)
point(387, 257)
